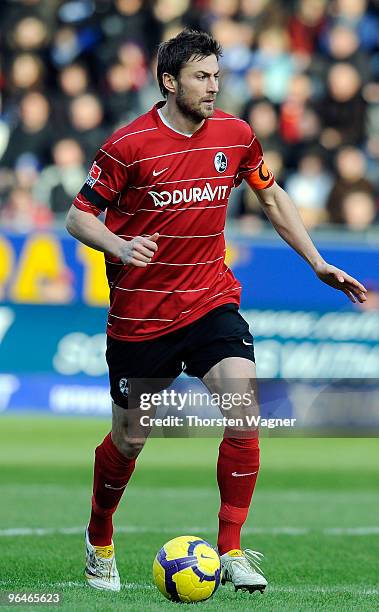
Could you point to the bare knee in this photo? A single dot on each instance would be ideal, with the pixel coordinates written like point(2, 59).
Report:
point(129, 447)
point(127, 434)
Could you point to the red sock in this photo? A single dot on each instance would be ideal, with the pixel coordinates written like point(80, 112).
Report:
point(236, 456)
point(112, 472)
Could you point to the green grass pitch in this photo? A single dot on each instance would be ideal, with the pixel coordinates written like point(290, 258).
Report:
point(314, 516)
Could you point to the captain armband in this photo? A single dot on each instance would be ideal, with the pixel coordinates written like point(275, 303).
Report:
point(261, 177)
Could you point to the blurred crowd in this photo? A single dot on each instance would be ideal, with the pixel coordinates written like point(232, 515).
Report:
point(303, 73)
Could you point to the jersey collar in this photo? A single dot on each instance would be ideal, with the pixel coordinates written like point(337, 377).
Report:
point(171, 132)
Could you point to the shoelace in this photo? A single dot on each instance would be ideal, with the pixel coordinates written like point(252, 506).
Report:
point(254, 557)
point(102, 564)
point(251, 559)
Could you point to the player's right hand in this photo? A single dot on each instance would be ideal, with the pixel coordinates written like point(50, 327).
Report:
point(139, 251)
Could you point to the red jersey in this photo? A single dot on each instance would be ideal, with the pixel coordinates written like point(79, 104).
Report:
point(150, 178)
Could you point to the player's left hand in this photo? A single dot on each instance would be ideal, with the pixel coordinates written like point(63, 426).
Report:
point(341, 280)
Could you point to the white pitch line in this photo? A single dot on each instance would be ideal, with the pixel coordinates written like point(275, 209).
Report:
point(289, 531)
point(75, 584)
point(127, 586)
point(300, 589)
point(355, 531)
point(312, 588)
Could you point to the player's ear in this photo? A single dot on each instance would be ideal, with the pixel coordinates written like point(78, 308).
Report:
point(169, 82)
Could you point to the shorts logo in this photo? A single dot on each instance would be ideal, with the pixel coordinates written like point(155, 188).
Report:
point(220, 162)
point(93, 175)
point(124, 387)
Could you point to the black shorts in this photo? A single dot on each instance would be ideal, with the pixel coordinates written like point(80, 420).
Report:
point(194, 349)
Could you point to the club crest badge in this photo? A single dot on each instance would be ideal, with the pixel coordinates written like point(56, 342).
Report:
point(220, 162)
point(93, 175)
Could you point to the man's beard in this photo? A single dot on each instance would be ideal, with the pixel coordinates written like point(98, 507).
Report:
point(195, 114)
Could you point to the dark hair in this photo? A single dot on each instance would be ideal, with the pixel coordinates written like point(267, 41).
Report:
point(174, 53)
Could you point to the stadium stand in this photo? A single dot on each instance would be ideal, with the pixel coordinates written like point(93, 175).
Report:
point(304, 73)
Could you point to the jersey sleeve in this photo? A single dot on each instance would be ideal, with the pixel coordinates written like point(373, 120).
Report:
point(253, 168)
point(106, 180)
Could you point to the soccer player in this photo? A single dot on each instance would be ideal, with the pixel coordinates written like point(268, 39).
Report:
point(164, 182)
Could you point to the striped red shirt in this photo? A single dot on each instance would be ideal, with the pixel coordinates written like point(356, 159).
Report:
point(150, 178)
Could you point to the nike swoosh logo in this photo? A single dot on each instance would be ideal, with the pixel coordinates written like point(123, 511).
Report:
point(247, 343)
point(158, 172)
point(248, 474)
point(108, 486)
point(205, 556)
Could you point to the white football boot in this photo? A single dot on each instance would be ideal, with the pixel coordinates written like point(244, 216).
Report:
point(101, 571)
point(242, 569)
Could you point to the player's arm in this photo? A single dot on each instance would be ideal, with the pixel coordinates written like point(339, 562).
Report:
point(285, 218)
point(87, 228)
point(102, 190)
